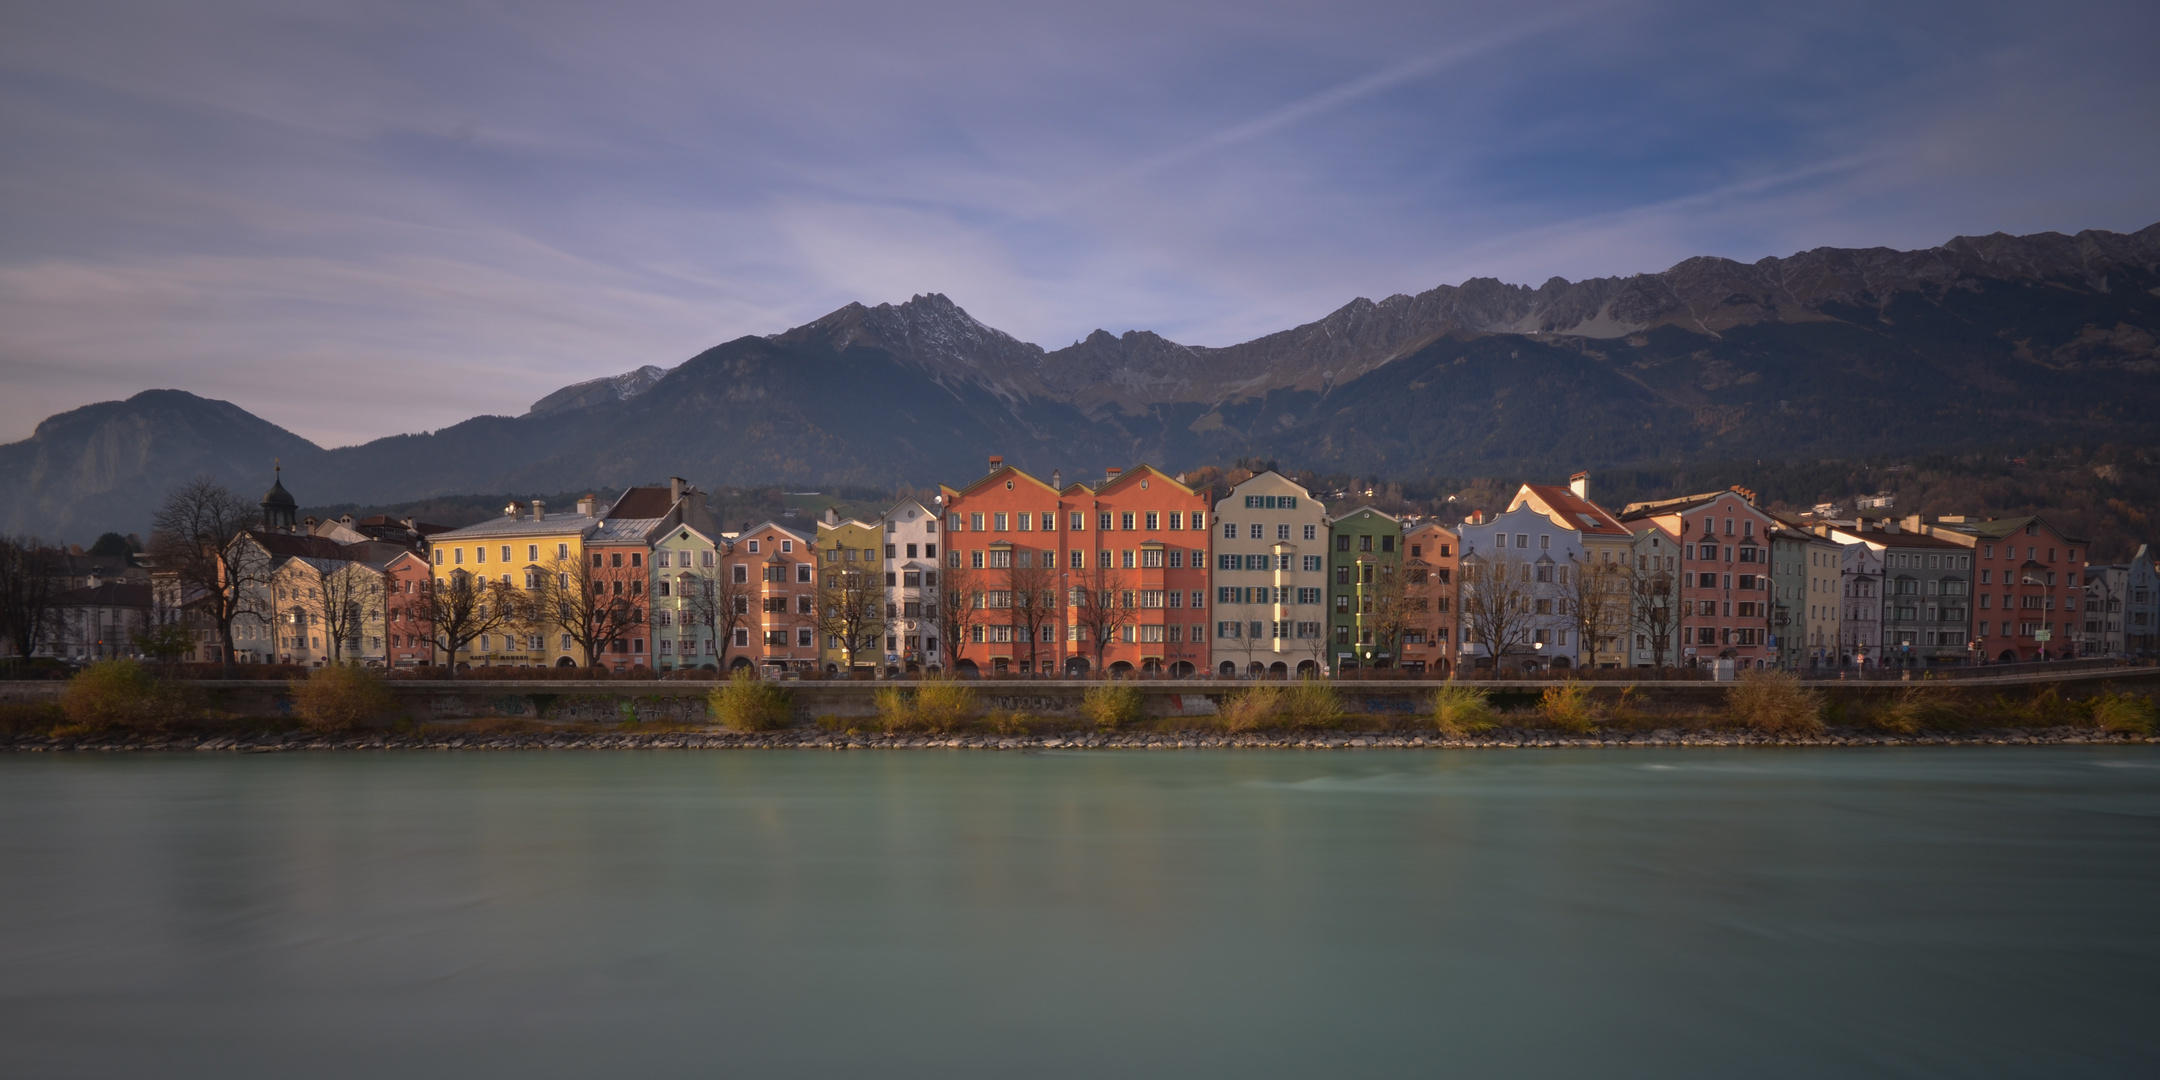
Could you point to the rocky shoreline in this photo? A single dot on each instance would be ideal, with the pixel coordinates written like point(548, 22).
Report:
point(825, 740)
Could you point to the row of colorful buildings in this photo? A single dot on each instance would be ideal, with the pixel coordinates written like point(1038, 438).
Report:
point(1137, 571)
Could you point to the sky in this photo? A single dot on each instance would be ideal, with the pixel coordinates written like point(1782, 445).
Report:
point(356, 219)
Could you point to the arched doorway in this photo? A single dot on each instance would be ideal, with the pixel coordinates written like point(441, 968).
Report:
point(740, 663)
point(1306, 669)
point(1076, 667)
point(1182, 669)
point(1151, 667)
point(1120, 669)
point(565, 662)
point(966, 669)
point(1227, 670)
point(1278, 670)
point(2009, 656)
point(1562, 663)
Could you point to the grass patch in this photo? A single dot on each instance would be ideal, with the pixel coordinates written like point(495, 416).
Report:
point(2124, 714)
point(1112, 705)
point(1774, 703)
point(938, 706)
point(338, 698)
point(1251, 709)
point(123, 695)
point(1567, 707)
point(1462, 712)
point(748, 703)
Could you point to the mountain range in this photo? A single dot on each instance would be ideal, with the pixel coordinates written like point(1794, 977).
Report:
point(1984, 341)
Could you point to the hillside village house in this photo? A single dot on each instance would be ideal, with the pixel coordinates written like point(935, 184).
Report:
point(1654, 597)
point(410, 638)
point(518, 548)
point(1860, 587)
point(1429, 568)
point(1270, 546)
point(1804, 576)
point(1724, 576)
point(1366, 589)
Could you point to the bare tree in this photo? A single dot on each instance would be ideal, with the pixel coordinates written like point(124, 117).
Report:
point(460, 608)
point(595, 607)
point(1395, 609)
point(347, 599)
point(851, 607)
point(224, 577)
point(1595, 600)
point(1102, 607)
point(960, 613)
point(1035, 600)
point(1497, 607)
point(729, 595)
point(30, 577)
point(1650, 600)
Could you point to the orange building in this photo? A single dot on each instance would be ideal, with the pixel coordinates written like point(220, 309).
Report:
point(1138, 538)
point(781, 565)
point(1429, 567)
point(409, 638)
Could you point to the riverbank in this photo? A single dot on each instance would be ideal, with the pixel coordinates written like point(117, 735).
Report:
point(800, 739)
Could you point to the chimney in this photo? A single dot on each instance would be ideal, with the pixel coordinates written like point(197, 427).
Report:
point(1057, 479)
point(997, 461)
point(1112, 473)
point(588, 505)
point(1889, 525)
point(1912, 523)
point(510, 511)
point(409, 521)
point(675, 487)
point(539, 508)
point(832, 516)
point(1580, 485)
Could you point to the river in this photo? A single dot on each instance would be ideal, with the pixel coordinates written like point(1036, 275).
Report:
point(1969, 912)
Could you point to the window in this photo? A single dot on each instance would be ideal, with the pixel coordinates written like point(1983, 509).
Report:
point(742, 573)
point(1078, 522)
point(1312, 532)
point(1229, 532)
point(532, 553)
point(1229, 562)
point(954, 523)
point(975, 522)
point(1049, 521)
point(1256, 531)
point(1199, 600)
point(1342, 543)
point(1177, 521)
point(1308, 595)
point(1154, 521)
point(802, 637)
point(1229, 630)
point(1312, 562)
point(1079, 559)
point(1102, 523)
point(1177, 558)
point(1000, 521)
point(1126, 558)
point(1151, 558)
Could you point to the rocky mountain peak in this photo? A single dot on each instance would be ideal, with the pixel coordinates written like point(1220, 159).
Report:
point(593, 392)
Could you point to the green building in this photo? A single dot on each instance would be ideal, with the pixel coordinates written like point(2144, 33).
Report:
point(1365, 588)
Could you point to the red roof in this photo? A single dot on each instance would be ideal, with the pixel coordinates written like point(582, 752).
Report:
point(1580, 513)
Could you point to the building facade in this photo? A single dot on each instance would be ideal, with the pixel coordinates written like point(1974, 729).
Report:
point(685, 592)
point(912, 540)
point(1804, 573)
point(780, 564)
point(2029, 587)
point(1724, 574)
point(1270, 548)
point(1429, 570)
point(851, 571)
point(1366, 589)
point(2122, 608)
point(1926, 595)
point(1597, 595)
point(1516, 569)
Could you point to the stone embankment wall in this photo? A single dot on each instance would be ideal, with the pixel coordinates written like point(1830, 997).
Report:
point(684, 702)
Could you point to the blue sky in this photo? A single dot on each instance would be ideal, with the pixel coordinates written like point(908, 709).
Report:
point(357, 219)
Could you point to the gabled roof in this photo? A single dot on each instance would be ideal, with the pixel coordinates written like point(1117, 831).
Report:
point(1680, 505)
point(1571, 511)
point(1142, 471)
point(643, 502)
point(777, 527)
point(1903, 538)
point(303, 545)
point(553, 524)
point(2002, 528)
point(625, 530)
point(1369, 511)
point(1000, 473)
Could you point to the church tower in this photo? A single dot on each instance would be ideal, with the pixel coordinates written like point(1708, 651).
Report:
point(279, 509)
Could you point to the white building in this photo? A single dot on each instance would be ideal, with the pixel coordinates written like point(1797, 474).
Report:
point(911, 588)
point(1525, 544)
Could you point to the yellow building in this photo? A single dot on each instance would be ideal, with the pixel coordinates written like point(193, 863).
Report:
point(849, 548)
point(517, 549)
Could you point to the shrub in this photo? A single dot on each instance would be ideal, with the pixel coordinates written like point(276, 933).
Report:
point(122, 694)
point(1910, 711)
point(2126, 714)
point(1252, 708)
point(337, 697)
point(1774, 703)
point(1567, 706)
point(748, 703)
point(1462, 711)
point(1310, 703)
point(944, 705)
point(1110, 706)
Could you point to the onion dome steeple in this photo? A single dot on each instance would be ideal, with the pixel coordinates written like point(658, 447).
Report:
point(279, 508)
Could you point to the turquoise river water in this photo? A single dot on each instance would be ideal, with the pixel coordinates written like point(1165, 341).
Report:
point(1962, 912)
